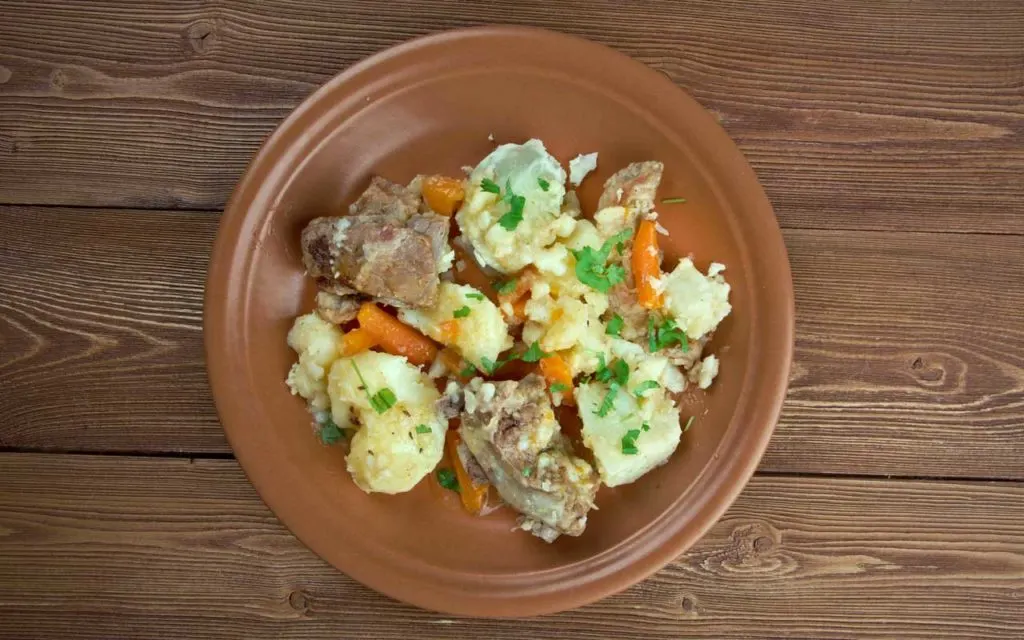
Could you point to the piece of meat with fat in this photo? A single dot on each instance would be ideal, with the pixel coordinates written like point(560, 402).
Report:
point(511, 430)
point(634, 187)
point(383, 249)
point(336, 308)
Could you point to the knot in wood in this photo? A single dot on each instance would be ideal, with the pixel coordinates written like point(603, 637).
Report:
point(201, 36)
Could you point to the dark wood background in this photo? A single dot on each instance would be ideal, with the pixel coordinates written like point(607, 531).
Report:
point(889, 134)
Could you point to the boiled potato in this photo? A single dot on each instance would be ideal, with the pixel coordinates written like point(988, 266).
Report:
point(394, 448)
point(480, 333)
point(318, 344)
point(697, 302)
point(604, 435)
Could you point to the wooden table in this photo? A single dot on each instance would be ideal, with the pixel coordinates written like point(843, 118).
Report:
point(888, 134)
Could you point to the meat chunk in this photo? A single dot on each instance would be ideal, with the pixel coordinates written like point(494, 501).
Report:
point(384, 249)
point(633, 187)
point(511, 430)
point(387, 199)
point(338, 309)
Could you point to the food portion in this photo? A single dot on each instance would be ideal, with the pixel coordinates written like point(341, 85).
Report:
point(416, 373)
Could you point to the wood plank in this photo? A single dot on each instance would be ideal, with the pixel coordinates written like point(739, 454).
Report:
point(871, 115)
point(100, 547)
point(906, 364)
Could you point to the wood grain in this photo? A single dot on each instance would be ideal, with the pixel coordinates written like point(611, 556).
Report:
point(909, 359)
point(870, 115)
point(100, 547)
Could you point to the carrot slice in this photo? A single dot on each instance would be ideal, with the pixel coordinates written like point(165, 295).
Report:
point(449, 331)
point(357, 341)
point(647, 265)
point(443, 194)
point(473, 496)
point(394, 337)
point(556, 371)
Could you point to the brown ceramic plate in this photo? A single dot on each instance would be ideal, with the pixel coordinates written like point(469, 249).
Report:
point(428, 106)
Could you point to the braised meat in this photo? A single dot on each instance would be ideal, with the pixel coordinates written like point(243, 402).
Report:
point(384, 249)
point(511, 431)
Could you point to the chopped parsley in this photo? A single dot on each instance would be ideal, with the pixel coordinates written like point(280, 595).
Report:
point(591, 267)
point(505, 287)
point(689, 422)
point(461, 312)
point(475, 296)
point(609, 400)
point(446, 478)
point(330, 433)
point(490, 186)
point(422, 428)
point(489, 366)
point(644, 387)
point(645, 427)
point(544, 184)
point(467, 371)
point(665, 335)
point(615, 325)
point(629, 442)
point(514, 216)
point(558, 387)
point(527, 472)
point(673, 201)
point(380, 401)
point(617, 371)
point(534, 353)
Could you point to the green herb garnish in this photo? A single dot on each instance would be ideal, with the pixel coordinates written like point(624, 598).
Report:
point(686, 427)
point(617, 371)
point(558, 387)
point(514, 216)
point(673, 200)
point(489, 366)
point(475, 296)
point(467, 371)
point(591, 267)
point(330, 433)
point(645, 427)
point(615, 325)
point(629, 442)
point(446, 478)
point(505, 287)
point(665, 335)
point(380, 401)
point(645, 386)
point(544, 184)
point(534, 353)
point(461, 312)
point(527, 472)
point(422, 428)
point(609, 400)
point(490, 186)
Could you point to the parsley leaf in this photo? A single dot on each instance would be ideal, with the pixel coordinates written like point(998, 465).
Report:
point(534, 353)
point(490, 186)
point(380, 401)
point(467, 371)
point(544, 184)
point(645, 427)
point(505, 287)
point(688, 423)
point(645, 386)
point(461, 312)
point(475, 296)
point(617, 371)
point(422, 428)
point(446, 478)
point(591, 269)
point(615, 325)
point(558, 387)
point(609, 400)
point(629, 442)
point(330, 433)
point(489, 366)
point(665, 335)
point(527, 472)
point(673, 200)
point(511, 220)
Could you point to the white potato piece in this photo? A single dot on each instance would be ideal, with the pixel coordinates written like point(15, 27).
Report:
point(604, 435)
point(524, 168)
point(318, 344)
point(480, 334)
point(697, 302)
point(392, 451)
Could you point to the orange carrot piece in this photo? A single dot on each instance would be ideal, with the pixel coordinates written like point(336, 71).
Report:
point(443, 194)
point(449, 331)
point(556, 371)
point(647, 265)
point(524, 281)
point(394, 337)
point(473, 496)
point(519, 309)
point(357, 341)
